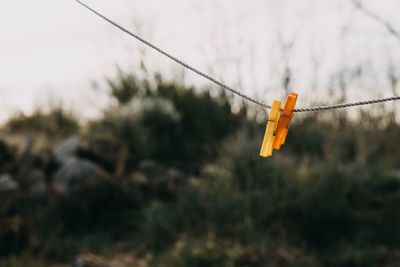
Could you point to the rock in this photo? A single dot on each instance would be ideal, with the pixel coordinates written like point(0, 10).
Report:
point(160, 178)
point(90, 260)
point(37, 179)
point(7, 183)
point(25, 161)
point(128, 261)
point(25, 151)
point(139, 178)
point(76, 173)
point(106, 152)
point(395, 173)
point(31, 176)
point(67, 149)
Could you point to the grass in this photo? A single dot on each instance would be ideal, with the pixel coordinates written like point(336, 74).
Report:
point(330, 197)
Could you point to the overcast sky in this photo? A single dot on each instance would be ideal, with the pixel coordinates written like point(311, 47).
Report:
point(55, 49)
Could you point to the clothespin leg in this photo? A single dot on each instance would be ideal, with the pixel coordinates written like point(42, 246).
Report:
point(269, 137)
point(283, 127)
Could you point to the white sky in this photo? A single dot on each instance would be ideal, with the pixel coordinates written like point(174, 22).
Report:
point(55, 49)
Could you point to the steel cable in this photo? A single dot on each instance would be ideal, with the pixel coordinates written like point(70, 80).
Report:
point(208, 77)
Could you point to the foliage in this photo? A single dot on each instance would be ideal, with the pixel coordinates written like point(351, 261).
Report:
point(56, 122)
point(169, 123)
point(330, 197)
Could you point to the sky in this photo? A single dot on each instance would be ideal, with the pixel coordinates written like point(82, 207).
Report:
point(55, 50)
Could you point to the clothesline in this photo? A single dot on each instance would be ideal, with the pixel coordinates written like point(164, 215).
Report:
point(239, 93)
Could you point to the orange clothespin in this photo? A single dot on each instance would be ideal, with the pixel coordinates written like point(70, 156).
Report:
point(269, 137)
point(283, 126)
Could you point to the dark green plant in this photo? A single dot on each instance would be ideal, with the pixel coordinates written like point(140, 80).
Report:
point(55, 123)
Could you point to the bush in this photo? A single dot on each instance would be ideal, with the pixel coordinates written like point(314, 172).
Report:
point(329, 197)
point(169, 123)
point(55, 123)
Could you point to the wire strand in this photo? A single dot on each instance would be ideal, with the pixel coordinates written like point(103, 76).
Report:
point(208, 77)
point(347, 105)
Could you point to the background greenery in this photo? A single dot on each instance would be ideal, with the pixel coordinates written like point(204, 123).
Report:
point(330, 197)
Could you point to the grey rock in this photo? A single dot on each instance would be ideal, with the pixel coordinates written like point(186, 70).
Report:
point(395, 173)
point(81, 262)
point(25, 159)
point(76, 173)
point(160, 177)
point(25, 151)
point(90, 260)
point(139, 178)
point(66, 149)
point(7, 183)
point(106, 152)
point(38, 186)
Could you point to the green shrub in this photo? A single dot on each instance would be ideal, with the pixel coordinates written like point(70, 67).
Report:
point(55, 123)
point(199, 253)
point(329, 197)
point(169, 123)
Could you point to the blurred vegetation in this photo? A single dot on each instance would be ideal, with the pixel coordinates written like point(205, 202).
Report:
point(330, 197)
point(167, 122)
point(56, 123)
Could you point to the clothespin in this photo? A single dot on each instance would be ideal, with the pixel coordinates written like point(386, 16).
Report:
point(284, 121)
point(278, 125)
point(272, 125)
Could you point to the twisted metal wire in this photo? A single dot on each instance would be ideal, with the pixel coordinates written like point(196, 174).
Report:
point(346, 105)
point(208, 77)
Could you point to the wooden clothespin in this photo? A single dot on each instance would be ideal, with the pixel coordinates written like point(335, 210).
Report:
point(269, 137)
point(278, 125)
point(286, 116)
